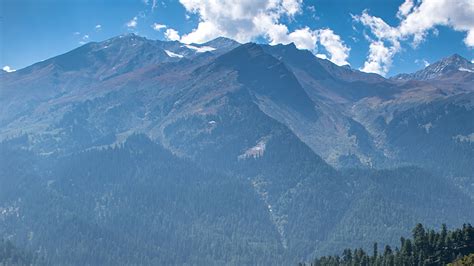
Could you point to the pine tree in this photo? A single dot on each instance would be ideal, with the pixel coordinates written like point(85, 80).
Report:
point(375, 254)
point(427, 248)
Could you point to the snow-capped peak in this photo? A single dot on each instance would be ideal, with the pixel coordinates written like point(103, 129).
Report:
point(444, 66)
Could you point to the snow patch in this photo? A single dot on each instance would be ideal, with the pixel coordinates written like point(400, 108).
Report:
point(171, 54)
point(201, 49)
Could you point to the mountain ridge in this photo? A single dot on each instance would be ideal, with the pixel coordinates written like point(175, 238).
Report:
point(250, 148)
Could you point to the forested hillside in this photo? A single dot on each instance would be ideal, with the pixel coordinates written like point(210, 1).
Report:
point(426, 247)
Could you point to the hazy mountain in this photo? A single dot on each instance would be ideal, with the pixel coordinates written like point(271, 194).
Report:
point(142, 151)
point(423, 121)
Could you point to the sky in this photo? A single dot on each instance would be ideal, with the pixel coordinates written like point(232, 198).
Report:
point(379, 36)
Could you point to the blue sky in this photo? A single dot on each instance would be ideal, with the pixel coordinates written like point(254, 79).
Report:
point(386, 37)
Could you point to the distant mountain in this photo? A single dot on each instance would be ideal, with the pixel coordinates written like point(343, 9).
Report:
point(223, 152)
point(446, 66)
point(340, 113)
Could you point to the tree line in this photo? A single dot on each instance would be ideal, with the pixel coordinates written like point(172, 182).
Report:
point(426, 247)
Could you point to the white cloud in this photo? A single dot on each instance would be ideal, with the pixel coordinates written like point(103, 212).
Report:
point(247, 20)
point(132, 23)
point(77, 33)
point(304, 38)
point(380, 58)
point(405, 8)
point(8, 69)
point(158, 27)
point(98, 27)
point(243, 20)
point(431, 13)
point(84, 39)
point(416, 22)
point(335, 47)
point(378, 27)
point(422, 61)
point(172, 34)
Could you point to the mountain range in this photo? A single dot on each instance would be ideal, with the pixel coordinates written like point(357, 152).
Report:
point(142, 151)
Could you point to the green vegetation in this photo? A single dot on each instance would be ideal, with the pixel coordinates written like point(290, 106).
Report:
point(427, 247)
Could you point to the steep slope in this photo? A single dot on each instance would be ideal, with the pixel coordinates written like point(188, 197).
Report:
point(252, 114)
point(437, 135)
point(335, 135)
point(267, 78)
point(77, 73)
point(134, 203)
point(73, 74)
point(424, 122)
point(325, 80)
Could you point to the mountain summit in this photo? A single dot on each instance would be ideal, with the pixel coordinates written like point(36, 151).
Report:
point(448, 65)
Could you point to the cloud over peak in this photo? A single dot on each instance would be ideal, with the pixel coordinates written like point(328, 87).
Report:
point(132, 23)
point(247, 20)
point(172, 34)
point(416, 22)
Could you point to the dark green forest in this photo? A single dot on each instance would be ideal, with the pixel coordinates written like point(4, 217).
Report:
point(426, 247)
point(139, 204)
